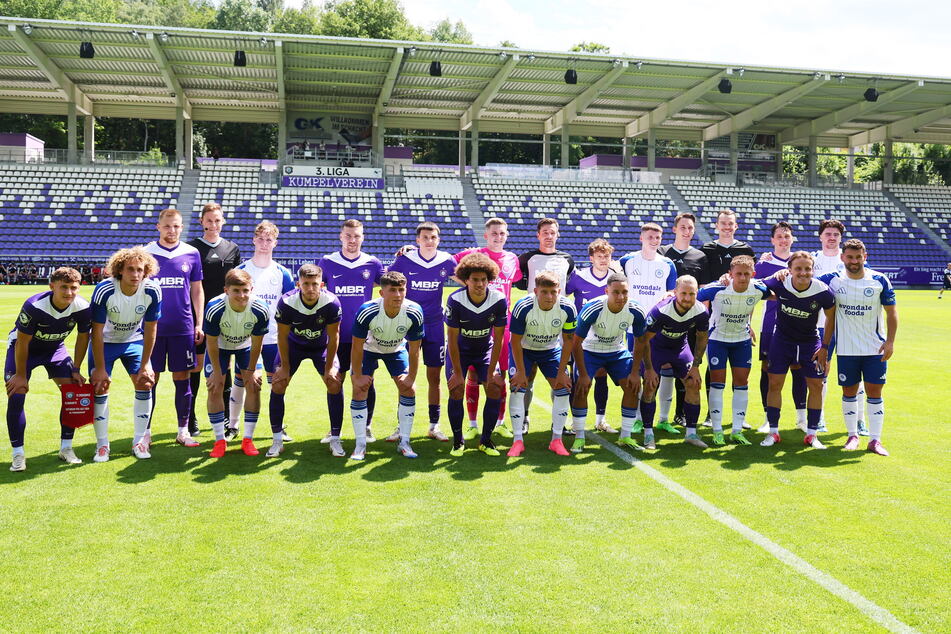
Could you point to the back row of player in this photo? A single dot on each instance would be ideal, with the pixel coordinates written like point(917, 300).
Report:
point(350, 275)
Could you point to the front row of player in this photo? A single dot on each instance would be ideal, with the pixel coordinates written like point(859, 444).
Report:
point(611, 333)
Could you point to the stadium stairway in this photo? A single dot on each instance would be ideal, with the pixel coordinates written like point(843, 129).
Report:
point(939, 242)
point(186, 196)
point(473, 209)
point(683, 207)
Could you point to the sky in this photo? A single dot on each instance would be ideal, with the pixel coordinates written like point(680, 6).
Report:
point(909, 37)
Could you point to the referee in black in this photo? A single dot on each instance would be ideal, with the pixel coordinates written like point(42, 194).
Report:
point(689, 261)
point(218, 256)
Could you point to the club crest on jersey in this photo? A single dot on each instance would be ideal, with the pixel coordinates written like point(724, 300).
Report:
point(400, 329)
point(659, 273)
point(556, 323)
point(139, 309)
point(366, 274)
point(70, 323)
point(249, 325)
point(24, 318)
point(185, 268)
point(869, 291)
point(442, 272)
point(750, 301)
point(813, 305)
point(624, 325)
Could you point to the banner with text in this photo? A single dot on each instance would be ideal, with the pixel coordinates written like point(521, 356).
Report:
point(333, 129)
point(912, 275)
point(324, 177)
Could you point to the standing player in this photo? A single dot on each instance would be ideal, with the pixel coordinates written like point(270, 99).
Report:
point(125, 310)
point(828, 259)
point(235, 325)
point(800, 299)
point(350, 274)
point(44, 322)
point(271, 280)
point(218, 256)
point(650, 277)
point(731, 341)
point(380, 332)
point(601, 341)
point(947, 280)
point(668, 324)
point(688, 261)
point(476, 316)
point(427, 269)
point(585, 285)
point(183, 309)
point(496, 234)
point(861, 295)
point(539, 324)
point(769, 263)
point(721, 251)
point(308, 327)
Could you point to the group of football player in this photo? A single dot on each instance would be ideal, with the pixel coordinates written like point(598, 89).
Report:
point(645, 321)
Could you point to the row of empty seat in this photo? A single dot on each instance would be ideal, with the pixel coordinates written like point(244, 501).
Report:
point(931, 203)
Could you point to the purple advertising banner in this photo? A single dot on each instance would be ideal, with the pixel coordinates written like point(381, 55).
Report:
point(332, 182)
point(912, 275)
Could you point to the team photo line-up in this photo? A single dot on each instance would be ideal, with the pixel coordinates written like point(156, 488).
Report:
point(645, 321)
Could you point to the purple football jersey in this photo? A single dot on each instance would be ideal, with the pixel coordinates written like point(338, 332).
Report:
point(475, 322)
point(425, 279)
point(49, 326)
point(764, 270)
point(352, 282)
point(798, 311)
point(671, 327)
point(584, 286)
point(178, 268)
point(308, 323)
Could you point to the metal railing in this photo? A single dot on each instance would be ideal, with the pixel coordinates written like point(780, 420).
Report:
point(549, 173)
point(59, 156)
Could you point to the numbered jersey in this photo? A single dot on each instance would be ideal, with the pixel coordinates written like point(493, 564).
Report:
point(121, 314)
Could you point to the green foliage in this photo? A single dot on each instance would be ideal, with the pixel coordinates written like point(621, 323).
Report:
point(376, 19)
point(508, 44)
point(241, 15)
point(198, 14)
point(590, 47)
point(303, 21)
point(446, 31)
point(49, 128)
point(83, 10)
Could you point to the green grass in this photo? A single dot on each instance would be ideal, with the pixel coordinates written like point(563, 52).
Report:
point(538, 543)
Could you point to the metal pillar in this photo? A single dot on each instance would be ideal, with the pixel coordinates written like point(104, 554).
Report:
point(282, 140)
point(546, 150)
point(565, 160)
point(651, 150)
point(812, 158)
point(71, 132)
point(780, 168)
point(626, 147)
point(462, 153)
point(378, 131)
point(474, 156)
point(850, 167)
point(889, 163)
point(189, 145)
point(89, 138)
point(179, 135)
point(734, 153)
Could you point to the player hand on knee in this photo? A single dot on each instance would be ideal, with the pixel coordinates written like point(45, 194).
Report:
point(17, 384)
point(78, 377)
point(518, 381)
point(100, 380)
point(332, 380)
point(251, 378)
point(215, 381)
point(497, 382)
point(583, 383)
point(651, 379)
point(821, 359)
point(455, 381)
point(144, 379)
point(281, 377)
point(361, 383)
point(693, 378)
point(562, 381)
point(405, 385)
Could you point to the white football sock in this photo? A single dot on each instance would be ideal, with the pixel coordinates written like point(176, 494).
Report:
point(405, 414)
point(741, 400)
point(559, 412)
point(860, 400)
point(876, 418)
point(715, 406)
point(101, 420)
point(235, 405)
point(141, 413)
point(665, 396)
point(517, 412)
point(850, 414)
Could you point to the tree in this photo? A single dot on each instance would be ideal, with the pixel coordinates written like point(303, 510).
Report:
point(376, 19)
point(303, 21)
point(446, 31)
point(197, 14)
point(241, 15)
point(83, 10)
point(590, 47)
point(507, 44)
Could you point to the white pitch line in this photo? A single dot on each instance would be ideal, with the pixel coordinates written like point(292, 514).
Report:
point(872, 610)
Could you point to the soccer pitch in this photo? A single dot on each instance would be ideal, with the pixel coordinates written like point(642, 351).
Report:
point(847, 541)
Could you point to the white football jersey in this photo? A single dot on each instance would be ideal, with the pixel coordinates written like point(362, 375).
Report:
point(648, 280)
point(542, 329)
point(270, 283)
point(826, 264)
point(232, 328)
point(859, 323)
point(122, 315)
point(730, 310)
point(606, 332)
point(385, 334)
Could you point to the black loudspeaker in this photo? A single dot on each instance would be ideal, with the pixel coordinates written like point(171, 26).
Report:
point(725, 86)
point(435, 69)
point(571, 76)
point(240, 59)
point(86, 50)
point(871, 95)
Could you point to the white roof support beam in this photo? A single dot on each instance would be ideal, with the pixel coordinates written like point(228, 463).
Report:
point(389, 81)
point(54, 73)
point(668, 109)
point(900, 128)
point(168, 75)
point(279, 66)
point(827, 122)
point(578, 105)
point(752, 115)
point(490, 92)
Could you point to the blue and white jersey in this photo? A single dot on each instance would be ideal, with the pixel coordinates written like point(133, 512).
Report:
point(270, 283)
point(123, 314)
point(730, 309)
point(542, 329)
point(234, 329)
point(604, 331)
point(648, 280)
point(385, 334)
point(859, 324)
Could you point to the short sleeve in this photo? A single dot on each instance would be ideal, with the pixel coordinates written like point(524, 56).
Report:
point(99, 311)
point(362, 320)
point(571, 318)
point(653, 320)
point(196, 275)
point(281, 315)
point(639, 321)
point(398, 265)
point(588, 314)
point(765, 292)
point(570, 285)
point(377, 271)
point(887, 295)
point(212, 324)
point(287, 282)
point(26, 322)
point(261, 314)
point(517, 324)
point(703, 322)
point(501, 313)
point(418, 330)
point(452, 313)
point(827, 300)
point(672, 277)
point(334, 312)
point(154, 310)
point(707, 293)
point(84, 320)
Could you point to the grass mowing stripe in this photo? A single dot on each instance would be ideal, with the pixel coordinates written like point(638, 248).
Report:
point(872, 610)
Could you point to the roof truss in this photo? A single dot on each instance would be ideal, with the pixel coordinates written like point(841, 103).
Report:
point(668, 109)
point(54, 73)
point(898, 129)
point(488, 93)
point(577, 105)
point(389, 81)
point(752, 115)
point(168, 75)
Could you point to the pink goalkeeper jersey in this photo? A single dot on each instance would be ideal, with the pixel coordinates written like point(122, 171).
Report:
point(509, 270)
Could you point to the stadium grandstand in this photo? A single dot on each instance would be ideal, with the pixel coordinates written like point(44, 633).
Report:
point(337, 101)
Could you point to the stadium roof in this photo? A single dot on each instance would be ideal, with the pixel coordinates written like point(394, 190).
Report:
point(147, 72)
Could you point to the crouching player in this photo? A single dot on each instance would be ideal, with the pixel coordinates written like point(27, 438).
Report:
point(475, 322)
point(731, 341)
point(601, 341)
point(861, 295)
point(539, 324)
point(235, 325)
point(669, 324)
point(308, 327)
point(799, 300)
point(125, 311)
point(44, 322)
point(381, 331)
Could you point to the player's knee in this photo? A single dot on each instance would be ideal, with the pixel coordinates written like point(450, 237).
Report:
point(457, 392)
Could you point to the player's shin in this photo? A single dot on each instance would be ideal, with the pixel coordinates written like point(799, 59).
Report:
point(715, 406)
point(741, 399)
point(876, 418)
point(517, 411)
point(490, 416)
point(141, 412)
point(183, 400)
point(578, 417)
point(16, 420)
point(850, 414)
point(627, 421)
point(358, 414)
point(692, 414)
point(101, 420)
point(456, 411)
point(275, 410)
point(559, 411)
point(406, 414)
point(217, 420)
point(472, 400)
point(335, 411)
point(236, 402)
point(665, 395)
